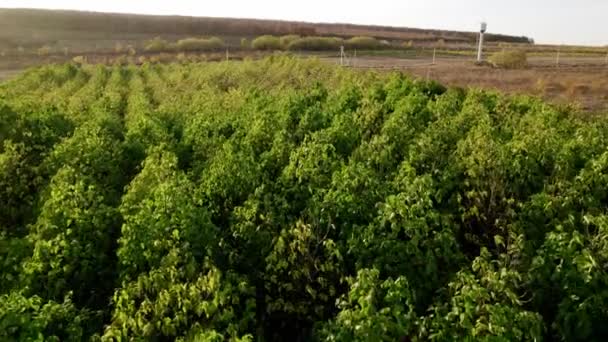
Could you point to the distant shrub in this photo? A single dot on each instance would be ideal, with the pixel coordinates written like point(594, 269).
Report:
point(119, 48)
point(540, 86)
point(408, 44)
point(157, 45)
point(200, 44)
point(44, 51)
point(79, 60)
point(131, 50)
point(245, 44)
point(182, 57)
point(363, 43)
point(286, 40)
point(316, 43)
point(266, 42)
point(121, 60)
point(509, 59)
point(575, 90)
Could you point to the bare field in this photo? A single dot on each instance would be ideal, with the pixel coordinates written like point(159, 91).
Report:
point(579, 80)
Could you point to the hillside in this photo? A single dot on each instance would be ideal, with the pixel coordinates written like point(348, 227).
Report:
point(32, 28)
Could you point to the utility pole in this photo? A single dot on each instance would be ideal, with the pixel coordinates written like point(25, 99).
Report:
point(557, 57)
point(484, 26)
point(342, 55)
point(434, 53)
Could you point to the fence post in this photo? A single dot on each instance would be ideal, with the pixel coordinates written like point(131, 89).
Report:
point(480, 47)
point(342, 55)
point(557, 57)
point(434, 53)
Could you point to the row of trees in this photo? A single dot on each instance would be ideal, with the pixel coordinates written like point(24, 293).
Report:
point(267, 42)
point(297, 43)
point(185, 45)
point(288, 199)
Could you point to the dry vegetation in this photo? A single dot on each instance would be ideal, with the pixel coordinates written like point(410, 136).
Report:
point(509, 59)
point(586, 87)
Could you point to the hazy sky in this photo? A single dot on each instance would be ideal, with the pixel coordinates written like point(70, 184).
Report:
point(547, 21)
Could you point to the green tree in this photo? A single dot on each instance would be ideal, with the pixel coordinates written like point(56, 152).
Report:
point(34, 319)
point(373, 310)
point(73, 242)
point(484, 304)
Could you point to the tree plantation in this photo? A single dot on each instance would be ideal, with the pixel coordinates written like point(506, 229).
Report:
point(291, 200)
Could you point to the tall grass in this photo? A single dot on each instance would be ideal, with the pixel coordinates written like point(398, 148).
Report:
point(44, 51)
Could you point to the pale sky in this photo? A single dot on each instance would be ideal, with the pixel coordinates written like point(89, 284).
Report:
point(547, 21)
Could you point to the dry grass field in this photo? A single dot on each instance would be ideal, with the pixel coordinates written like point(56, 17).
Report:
point(585, 86)
point(582, 81)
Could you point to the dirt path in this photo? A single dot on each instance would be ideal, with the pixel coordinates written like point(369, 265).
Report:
point(8, 74)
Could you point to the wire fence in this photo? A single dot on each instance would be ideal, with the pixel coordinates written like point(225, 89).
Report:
point(434, 57)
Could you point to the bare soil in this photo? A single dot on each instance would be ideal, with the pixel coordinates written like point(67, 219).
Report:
point(579, 80)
